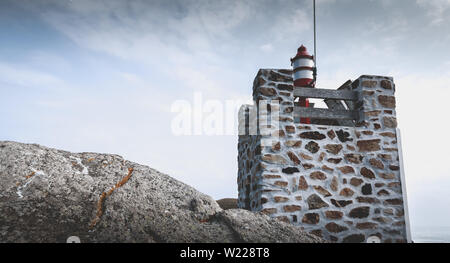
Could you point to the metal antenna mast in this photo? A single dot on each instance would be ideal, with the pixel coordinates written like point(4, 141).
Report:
point(315, 45)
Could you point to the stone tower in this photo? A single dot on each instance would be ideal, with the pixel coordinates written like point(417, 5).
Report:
point(337, 179)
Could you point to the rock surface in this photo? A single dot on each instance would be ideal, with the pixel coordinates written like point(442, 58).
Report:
point(47, 195)
point(228, 203)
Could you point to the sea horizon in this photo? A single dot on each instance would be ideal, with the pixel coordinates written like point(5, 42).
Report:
point(431, 234)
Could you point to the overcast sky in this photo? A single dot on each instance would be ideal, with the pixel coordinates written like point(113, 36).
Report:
point(101, 76)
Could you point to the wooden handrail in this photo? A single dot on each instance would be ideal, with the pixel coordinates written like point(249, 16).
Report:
point(326, 94)
point(325, 114)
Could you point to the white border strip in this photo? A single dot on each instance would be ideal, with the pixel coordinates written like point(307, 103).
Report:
point(403, 182)
point(303, 74)
point(303, 62)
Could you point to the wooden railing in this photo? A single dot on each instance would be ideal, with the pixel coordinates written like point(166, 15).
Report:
point(334, 99)
point(326, 94)
point(325, 114)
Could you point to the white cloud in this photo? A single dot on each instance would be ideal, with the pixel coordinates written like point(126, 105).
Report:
point(318, 2)
point(421, 100)
point(437, 9)
point(293, 23)
point(266, 48)
point(13, 76)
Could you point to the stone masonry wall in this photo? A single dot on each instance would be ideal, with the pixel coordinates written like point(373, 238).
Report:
point(340, 183)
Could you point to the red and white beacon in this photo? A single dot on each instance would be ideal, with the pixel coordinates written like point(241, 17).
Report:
point(304, 75)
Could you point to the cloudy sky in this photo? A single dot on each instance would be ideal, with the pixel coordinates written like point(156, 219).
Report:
point(102, 75)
